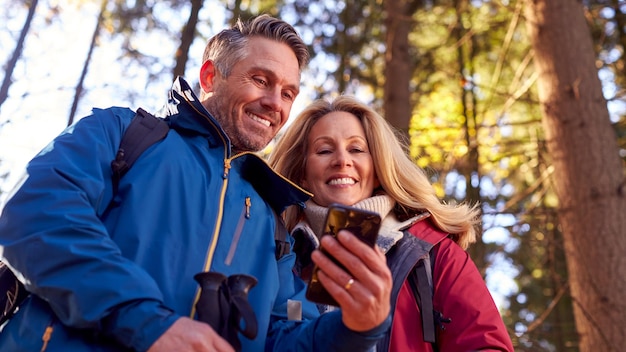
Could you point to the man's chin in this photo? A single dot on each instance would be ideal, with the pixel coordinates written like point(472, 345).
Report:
point(250, 146)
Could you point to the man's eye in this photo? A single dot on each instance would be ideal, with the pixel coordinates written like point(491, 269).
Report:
point(260, 81)
point(289, 96)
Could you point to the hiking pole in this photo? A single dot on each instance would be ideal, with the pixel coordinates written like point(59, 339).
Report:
point(223, 304)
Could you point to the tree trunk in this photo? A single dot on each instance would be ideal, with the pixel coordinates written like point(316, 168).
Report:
point(589, 178)
point(10, 65)
point(398, 72)
point(189, 33)
point(469, 167)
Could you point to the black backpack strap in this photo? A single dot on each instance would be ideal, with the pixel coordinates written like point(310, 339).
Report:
point(421, 282)
point(283, 246)
point(144, 130)
point(406, 259)
point(12, 293)
point(424, 293)
point(401, 259)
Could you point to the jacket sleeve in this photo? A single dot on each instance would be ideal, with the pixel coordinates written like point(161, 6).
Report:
point(51, 234)
point(462, 295)
point(314, 333)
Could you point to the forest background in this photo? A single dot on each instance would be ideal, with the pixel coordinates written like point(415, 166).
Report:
point(517, 104)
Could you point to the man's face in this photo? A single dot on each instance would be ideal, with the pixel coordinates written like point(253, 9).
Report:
point(254, 102)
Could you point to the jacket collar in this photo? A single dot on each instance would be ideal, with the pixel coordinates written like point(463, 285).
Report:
point(183, 111)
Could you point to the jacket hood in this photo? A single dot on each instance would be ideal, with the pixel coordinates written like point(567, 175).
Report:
point(184, 112)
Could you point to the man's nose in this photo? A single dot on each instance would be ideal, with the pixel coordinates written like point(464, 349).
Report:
point(272, 100)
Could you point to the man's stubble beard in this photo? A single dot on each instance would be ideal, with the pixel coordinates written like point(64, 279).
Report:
point(240, 142)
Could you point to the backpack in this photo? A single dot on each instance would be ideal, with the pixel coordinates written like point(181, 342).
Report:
point(412, 259)
point(144, 130)
point(13, 293)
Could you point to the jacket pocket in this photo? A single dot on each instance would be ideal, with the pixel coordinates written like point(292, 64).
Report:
point(245, 214)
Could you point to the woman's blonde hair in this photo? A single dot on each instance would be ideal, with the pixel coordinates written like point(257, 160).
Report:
point(399, 176)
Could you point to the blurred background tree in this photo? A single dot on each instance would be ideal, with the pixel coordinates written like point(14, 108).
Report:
point(529, 123)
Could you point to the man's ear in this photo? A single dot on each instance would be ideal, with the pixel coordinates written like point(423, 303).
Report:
point(207, 75)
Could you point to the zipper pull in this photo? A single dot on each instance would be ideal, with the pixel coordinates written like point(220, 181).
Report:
point(46, 337)
point(248, 205)
point(226, 168)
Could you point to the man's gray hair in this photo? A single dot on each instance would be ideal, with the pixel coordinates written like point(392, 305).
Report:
point(228, 47)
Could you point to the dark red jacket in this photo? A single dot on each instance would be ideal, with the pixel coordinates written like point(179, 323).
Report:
point(460, 293)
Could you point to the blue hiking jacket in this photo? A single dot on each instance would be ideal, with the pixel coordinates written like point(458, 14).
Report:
point(113, 272)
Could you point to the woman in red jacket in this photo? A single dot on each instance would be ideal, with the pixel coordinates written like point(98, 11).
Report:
point(344, 152)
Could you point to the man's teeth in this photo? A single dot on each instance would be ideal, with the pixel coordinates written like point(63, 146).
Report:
point(342, 181)
point(263, 121)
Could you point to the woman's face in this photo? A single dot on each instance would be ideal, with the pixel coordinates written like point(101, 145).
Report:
point(339, 167)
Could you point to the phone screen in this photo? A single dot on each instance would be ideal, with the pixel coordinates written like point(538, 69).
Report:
point(362, 223)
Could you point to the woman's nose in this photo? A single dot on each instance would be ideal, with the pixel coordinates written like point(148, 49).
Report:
point(342, 159)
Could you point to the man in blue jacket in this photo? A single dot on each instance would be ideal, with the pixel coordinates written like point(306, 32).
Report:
point(114, 271)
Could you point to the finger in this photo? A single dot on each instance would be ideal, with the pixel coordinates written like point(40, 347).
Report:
point(190, 335)
point(343, 288)
point(352, 266)
point(222, 345)
point(368, 266)
point(333, 248)
point(342, 285)
point(211, 340)
point(361, 310)
point(358, 258)
point(337, 277)
point(361, 249)
point(326, 264)
point(364, 304)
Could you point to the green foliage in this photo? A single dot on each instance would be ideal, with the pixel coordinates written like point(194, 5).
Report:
point(348, 37)
point(542, 310)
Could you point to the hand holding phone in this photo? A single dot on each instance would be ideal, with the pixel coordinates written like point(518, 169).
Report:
point(362, 223)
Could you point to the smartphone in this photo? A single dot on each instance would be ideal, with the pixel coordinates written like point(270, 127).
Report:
point(362, 223)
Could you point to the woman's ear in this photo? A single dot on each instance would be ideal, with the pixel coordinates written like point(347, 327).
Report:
point(207, 76)
point(377, 183)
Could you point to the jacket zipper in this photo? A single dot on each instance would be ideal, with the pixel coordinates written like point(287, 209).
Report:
point(216, 232)
point(245, 214)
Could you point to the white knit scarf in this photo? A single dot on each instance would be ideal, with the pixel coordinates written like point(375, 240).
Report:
point(388, 235)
